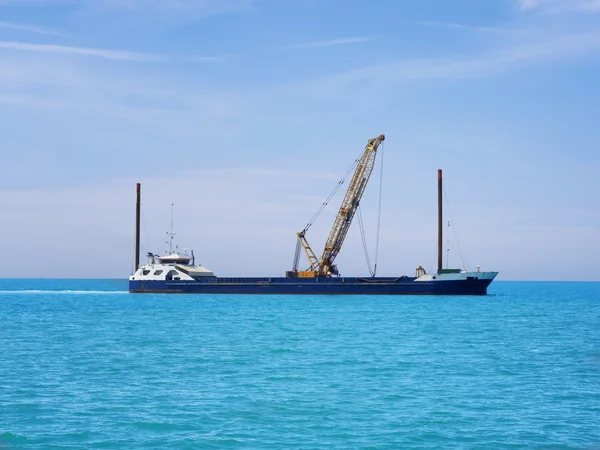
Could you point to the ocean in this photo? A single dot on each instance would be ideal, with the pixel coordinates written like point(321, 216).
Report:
point(84, 364)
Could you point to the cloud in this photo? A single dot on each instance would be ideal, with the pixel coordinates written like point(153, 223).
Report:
point(120, 55)
point(459, 26)
point(203, 59)
point(529, 4)
point(332, 42)
point(584, 6)
point(117, 55)
point(102, 213)
point(31, 29)
point(487, 64)
point(195, 8)
point(82, 51)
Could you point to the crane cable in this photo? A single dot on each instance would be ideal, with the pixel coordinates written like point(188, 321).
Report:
point(320, 210)
point(337, 187)
point(364, 241)
point(372, 270)
point(451, 221)
point(379, 211)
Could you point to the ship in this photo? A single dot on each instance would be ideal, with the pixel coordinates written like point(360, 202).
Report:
point(177, 271)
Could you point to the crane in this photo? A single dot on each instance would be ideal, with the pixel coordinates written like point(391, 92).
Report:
point(324, 266)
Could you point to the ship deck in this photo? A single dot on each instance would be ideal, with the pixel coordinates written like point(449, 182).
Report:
point(314, 286)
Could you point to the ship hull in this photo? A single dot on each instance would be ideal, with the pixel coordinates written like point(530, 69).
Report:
point(317, 286)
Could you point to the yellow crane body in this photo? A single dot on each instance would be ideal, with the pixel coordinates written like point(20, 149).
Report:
point(324, 266)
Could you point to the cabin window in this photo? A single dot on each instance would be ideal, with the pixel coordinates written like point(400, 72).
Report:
point(158, 272)
point(145, 272)
point(171, 273)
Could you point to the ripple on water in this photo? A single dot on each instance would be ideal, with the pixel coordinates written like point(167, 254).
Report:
point(99, 369)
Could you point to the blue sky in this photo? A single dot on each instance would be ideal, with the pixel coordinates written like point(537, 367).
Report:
point(246, 113)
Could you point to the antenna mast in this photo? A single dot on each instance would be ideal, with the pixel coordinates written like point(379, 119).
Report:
point(171, 234)
point(448, 245)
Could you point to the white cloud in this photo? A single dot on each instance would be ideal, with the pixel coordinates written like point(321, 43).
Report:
point(487, 64)
point(31, 29)
point(117, 55)
point(195, 8)
point(216, 211)
point(82, 51)
point(331, 42)
point(203, 59)
point(585, 6)
point(460, 26)
point(529, 4)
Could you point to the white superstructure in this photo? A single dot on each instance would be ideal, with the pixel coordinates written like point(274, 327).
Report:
point(175, 266)
point(457, 276)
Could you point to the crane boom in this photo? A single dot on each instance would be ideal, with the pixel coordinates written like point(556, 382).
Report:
point(324, 266)
point(357, 186)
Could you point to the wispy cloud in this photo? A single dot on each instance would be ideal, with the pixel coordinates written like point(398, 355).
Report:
point(459, 26)
point(529, 4)
point(585, 6)
point(82, 51)
point(332, 42)
point(486, 64)
point(117, 55)
point(31, 29)
point(203, 59)
point(196, 8)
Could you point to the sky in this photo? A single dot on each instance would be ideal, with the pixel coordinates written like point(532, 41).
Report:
point(245, 114)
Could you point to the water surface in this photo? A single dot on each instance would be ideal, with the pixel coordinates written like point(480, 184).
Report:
point(84, 364)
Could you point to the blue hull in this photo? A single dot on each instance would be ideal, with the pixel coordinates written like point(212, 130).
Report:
point(314, 286)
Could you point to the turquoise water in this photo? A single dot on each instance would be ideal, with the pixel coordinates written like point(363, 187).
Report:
point(83, 364)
